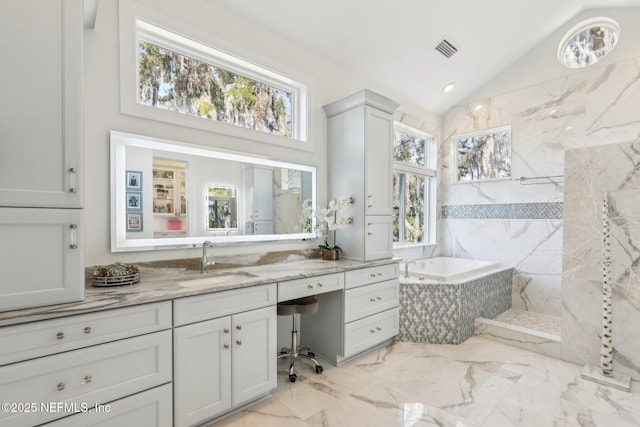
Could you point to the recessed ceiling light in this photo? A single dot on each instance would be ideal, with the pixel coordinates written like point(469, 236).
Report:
point(448, 87)
point(588, 42)
point(552, 112)
point(568, 128)
point(478, 107)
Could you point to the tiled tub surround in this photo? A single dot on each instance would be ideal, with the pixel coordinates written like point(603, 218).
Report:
point(444, 313)
point(593, 173)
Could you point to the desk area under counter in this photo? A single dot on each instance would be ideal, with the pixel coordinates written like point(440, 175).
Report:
point(230, 313)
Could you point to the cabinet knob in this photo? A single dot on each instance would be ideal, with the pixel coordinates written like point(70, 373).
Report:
point(87, 379)
point(73, 246)
point(226, 346)
point(372, 300)
point(239, 342)
point(309, 286)
point(60, 386)
point(73, 190)
point(73, 170)
point(239, 327)
point(379, 298)
point(372, 275)
point(378, 328)
point(379, 274)
point(87, 330)
point(60, 335)
point(372, 331)
point(225, 330)
point(319, 285)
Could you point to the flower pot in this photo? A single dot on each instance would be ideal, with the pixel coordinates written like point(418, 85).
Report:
point(331, 254)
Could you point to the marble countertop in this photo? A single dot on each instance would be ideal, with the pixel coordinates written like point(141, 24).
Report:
point(159, 283)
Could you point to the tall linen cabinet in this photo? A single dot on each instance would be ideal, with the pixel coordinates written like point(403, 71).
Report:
point(360, 135)
point(41, 157)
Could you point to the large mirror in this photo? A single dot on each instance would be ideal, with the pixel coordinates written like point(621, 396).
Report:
point(166, 194)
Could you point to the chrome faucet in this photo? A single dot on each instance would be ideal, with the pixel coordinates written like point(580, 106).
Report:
point(204, 263)
point(406, 267)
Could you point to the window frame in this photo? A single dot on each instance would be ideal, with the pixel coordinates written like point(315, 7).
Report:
point(429, 173)
point(141, 23)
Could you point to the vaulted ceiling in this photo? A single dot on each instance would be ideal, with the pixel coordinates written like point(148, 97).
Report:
point(391, 43)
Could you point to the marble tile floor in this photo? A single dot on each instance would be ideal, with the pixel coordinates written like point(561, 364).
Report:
point(479, 383)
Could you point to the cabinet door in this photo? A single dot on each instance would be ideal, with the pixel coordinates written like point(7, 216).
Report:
point(41, 134)
point(151, 408)
point(254, 354)
point(378, 243)
point(378, 164)
point(202, 371)
point(41, 257)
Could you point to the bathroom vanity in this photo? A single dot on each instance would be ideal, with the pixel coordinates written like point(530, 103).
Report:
point(182, 348)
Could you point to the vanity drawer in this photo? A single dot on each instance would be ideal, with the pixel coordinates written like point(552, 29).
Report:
point(298, 288)
point(367, 300)
point(370, 331)
point(366, 276)
point(42, 338)
point(87, 376)
point(151, 408)
point(218, 304)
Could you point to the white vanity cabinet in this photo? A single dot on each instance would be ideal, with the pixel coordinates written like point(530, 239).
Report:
point(41, 257)
point(41, 160)
point(365, 315)
point(83, 361)
point(227, 360)
point(360, 135)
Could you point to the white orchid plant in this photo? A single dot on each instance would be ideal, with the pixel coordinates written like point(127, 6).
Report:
point(328, 221)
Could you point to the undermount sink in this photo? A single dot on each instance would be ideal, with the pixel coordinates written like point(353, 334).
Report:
point(218, 279)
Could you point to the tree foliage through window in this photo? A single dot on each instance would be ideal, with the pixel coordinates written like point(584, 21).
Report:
point(172, 81)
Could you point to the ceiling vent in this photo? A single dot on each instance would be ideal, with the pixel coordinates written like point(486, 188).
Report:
point(446, 48)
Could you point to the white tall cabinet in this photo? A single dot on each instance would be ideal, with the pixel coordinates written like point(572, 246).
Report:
point(360, 135)
point(41, 171)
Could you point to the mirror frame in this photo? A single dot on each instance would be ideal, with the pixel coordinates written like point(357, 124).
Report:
point(119, 241)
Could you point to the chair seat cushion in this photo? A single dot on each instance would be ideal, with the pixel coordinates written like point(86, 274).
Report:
point(306, 305)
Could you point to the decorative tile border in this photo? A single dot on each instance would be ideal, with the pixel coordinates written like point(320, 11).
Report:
point(546, 210)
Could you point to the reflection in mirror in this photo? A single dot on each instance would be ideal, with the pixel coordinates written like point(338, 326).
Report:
point(188, 194)
point(169, 198)
point(223, 209)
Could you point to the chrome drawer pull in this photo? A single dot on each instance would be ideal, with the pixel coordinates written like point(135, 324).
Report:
point(87, 330)
point(87, 379)
point(60, 386)
point(60, 335)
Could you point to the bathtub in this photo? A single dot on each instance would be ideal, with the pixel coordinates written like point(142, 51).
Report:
point(441, 298)
point(447, 269)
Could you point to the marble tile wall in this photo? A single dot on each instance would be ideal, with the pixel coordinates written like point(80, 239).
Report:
point(600, 106)
point(608, 171)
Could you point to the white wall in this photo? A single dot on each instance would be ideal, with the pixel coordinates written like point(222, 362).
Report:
point(102, 111)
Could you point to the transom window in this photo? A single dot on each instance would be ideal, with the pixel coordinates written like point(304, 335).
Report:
point(414, 186)
point(184, 76)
